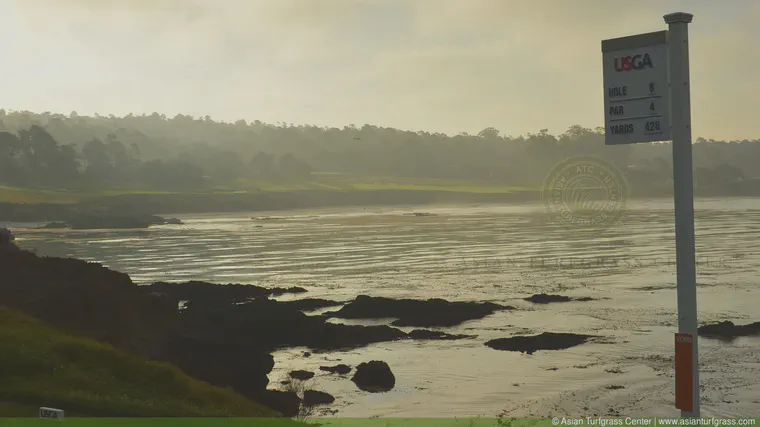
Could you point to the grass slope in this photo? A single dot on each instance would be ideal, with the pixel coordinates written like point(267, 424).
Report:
point(41, 365)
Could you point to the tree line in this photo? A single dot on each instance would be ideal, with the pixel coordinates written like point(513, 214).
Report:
point(34, 158)
point(189, 152)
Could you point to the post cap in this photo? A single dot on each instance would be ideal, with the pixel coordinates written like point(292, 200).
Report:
point(672, 18)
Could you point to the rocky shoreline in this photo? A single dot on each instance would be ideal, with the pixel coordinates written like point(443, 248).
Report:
point(110, 221)
point(81, 217)
point(224, 334)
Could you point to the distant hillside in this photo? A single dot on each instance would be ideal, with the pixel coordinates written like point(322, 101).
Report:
point(41, 365)
point(46, 150)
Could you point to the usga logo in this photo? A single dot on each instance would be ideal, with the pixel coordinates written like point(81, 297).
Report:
point(634, 62)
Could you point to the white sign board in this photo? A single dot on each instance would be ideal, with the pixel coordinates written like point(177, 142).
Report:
point(51, 413)
point(636, 90)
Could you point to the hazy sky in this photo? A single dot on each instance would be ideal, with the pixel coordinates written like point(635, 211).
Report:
point(436, 65)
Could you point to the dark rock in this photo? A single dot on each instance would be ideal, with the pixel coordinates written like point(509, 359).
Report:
point(285, 402)
point(262, 321)
point(240, 365)
point(272, 325)
point(87, 221)
point(547, 298)
point(301, 375)
point(330, 336)
point(6, 240)
point(9, 248)
point(409, 312)
point(374, 376)
point(286, 382)
point(727, 330)
point(544, 341)
point(205, 291)
point(54, 225)
point(6, 236)
point(306, 354)
point(307, 304)
point(314, 397)
point(425, 334)
point(337, 369)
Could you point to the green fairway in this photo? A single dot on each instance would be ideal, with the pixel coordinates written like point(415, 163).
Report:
point(30, 195)
point(10, 194)
point(42, 365)
point(318, 182)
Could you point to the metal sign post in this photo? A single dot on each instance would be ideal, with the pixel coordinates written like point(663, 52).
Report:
point(647, 99)
point(683, 187)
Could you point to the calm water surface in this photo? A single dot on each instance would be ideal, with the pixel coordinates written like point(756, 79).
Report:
point(493, 253)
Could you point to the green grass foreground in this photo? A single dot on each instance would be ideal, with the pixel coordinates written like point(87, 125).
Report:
point(364, 422)
point(270, 422)
point(41, 365)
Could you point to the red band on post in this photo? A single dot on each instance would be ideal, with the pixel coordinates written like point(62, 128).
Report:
point(684, 377)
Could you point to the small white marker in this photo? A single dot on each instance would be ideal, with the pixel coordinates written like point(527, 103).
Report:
point(50, 412)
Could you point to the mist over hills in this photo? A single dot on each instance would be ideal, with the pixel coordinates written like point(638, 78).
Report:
point(184, 152)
